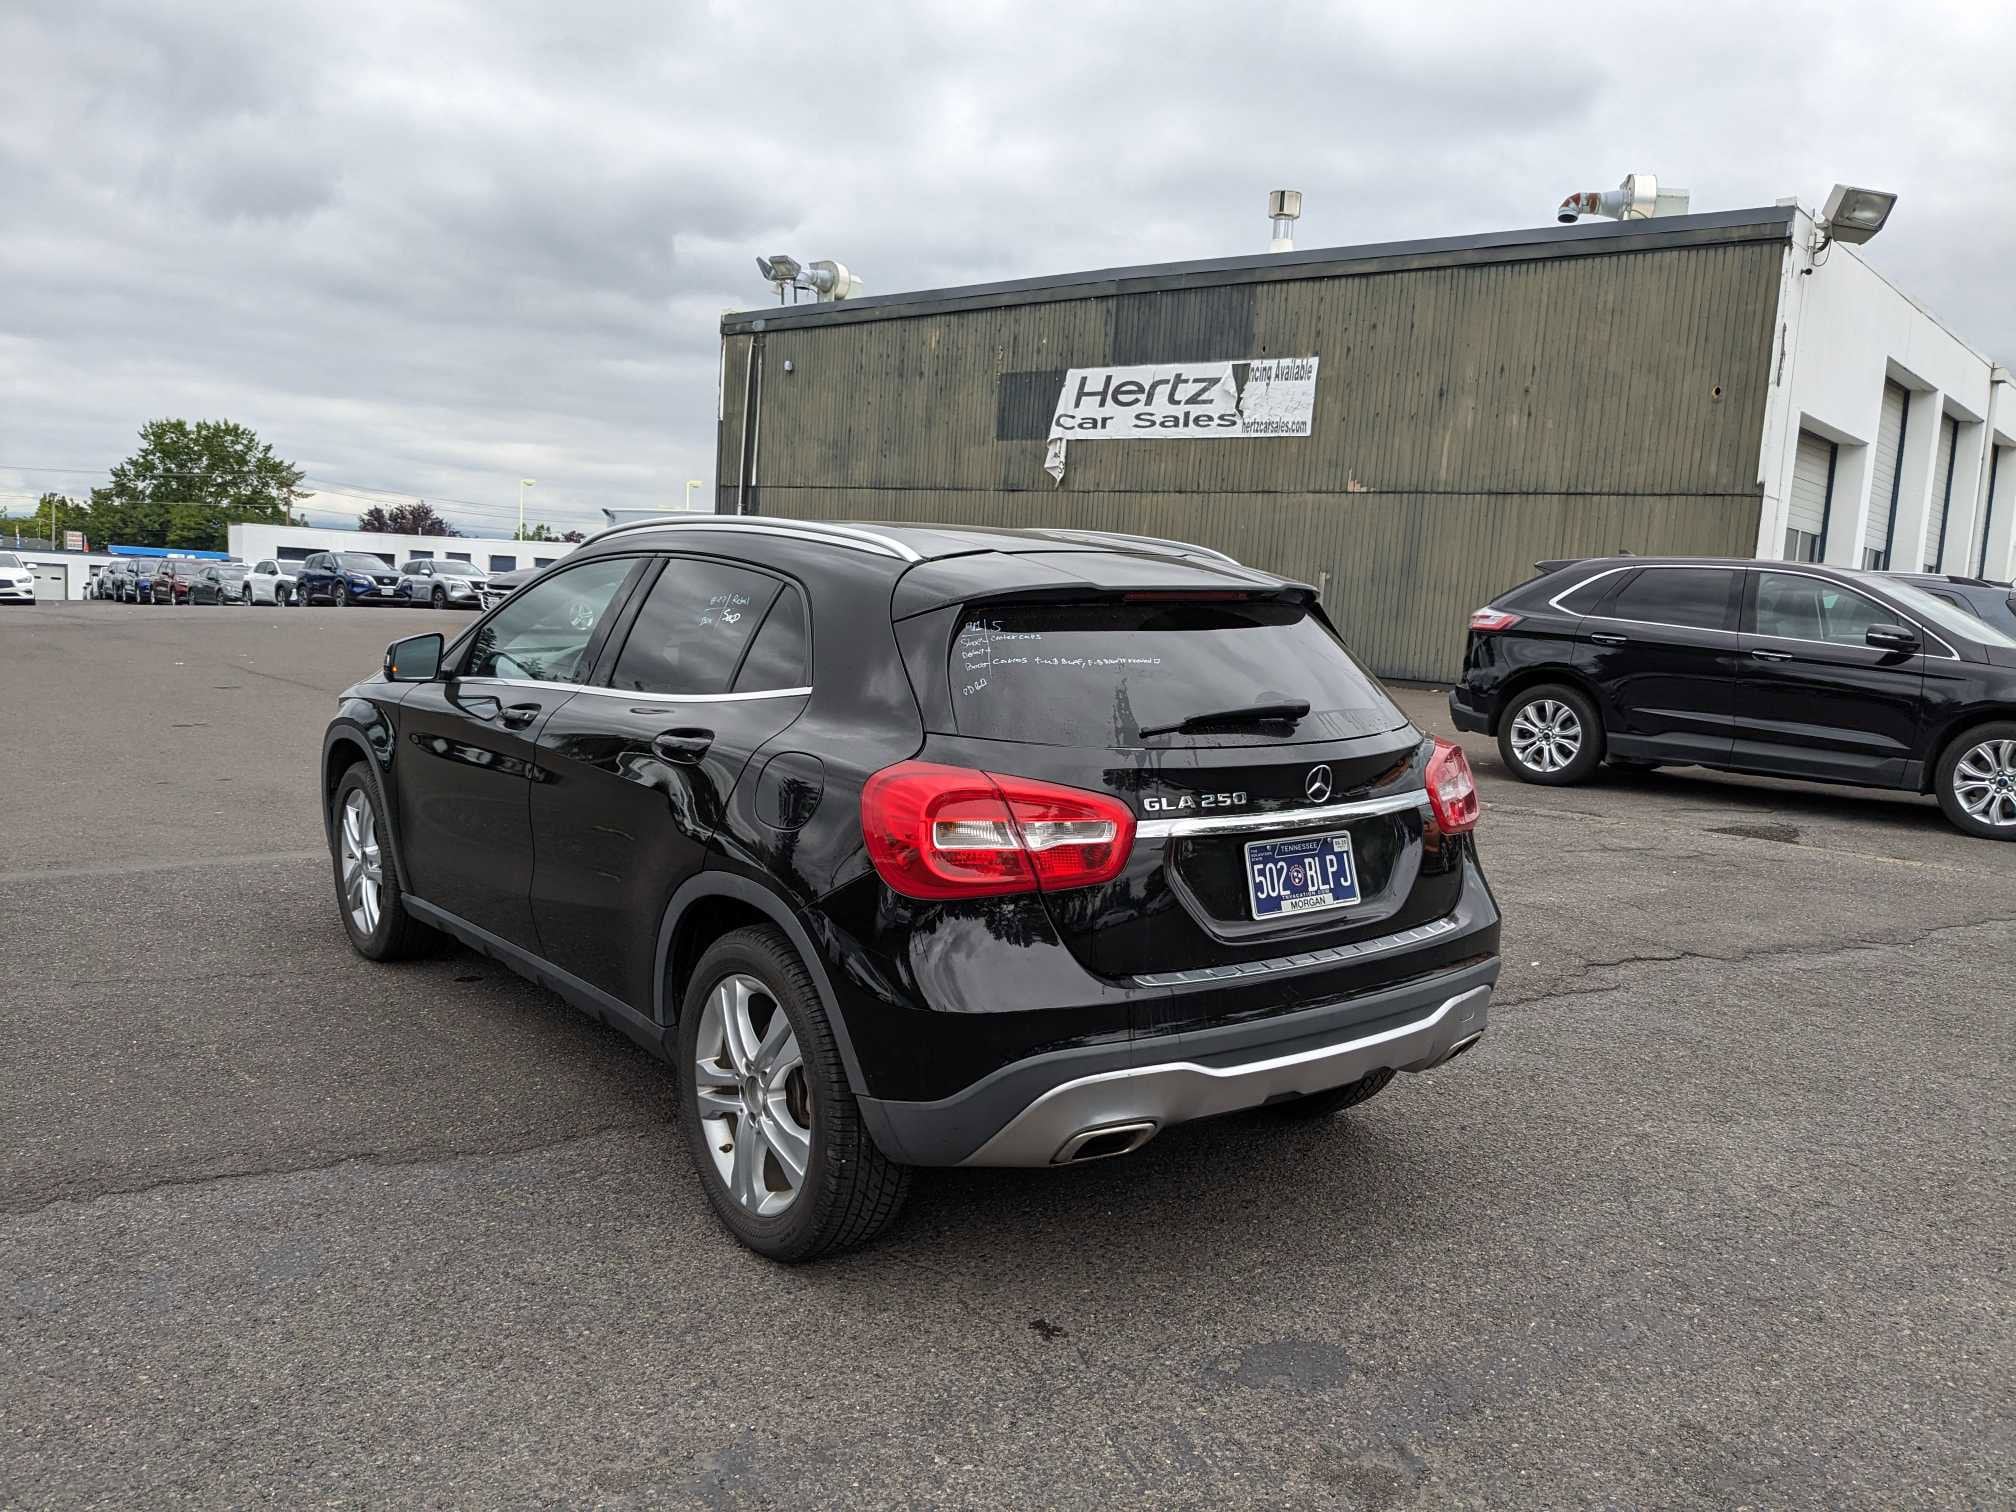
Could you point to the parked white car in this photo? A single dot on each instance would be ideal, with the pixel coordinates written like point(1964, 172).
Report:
point(269, 582)
point(17, 583)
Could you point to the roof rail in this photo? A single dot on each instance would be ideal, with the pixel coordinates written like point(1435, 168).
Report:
point(830, 533)
point(1187, 547)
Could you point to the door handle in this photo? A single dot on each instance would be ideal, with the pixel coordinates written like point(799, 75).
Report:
point(482, 706)
point(1607, 639)
point(1772, 655)
point(683, 747)
point(517, 716)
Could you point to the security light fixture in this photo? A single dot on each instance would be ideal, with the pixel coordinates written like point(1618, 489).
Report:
point(1854, 215)
point(827, 280)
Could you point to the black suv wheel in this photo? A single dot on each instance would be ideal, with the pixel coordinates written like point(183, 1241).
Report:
point(1976, 781)
point(1551, 734)
point(773, 1128)
point(367, 883)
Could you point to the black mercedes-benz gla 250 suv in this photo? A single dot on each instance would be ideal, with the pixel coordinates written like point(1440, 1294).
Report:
point(1779, 668)
point(914, 846)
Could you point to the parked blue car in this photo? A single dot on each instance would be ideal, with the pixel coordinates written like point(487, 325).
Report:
point(347, 577)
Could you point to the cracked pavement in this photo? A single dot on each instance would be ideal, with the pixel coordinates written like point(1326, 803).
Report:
point(1719, 1214)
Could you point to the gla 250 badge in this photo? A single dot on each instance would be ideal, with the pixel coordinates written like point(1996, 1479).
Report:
point(1193, 801)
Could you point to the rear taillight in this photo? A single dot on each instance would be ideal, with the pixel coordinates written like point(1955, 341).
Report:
point(951, 832)
point(1492, 619)
point(1452, 791)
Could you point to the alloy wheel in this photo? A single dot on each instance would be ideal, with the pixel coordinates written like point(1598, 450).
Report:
point(1546, 735)
point(363, 869)
point(755, 1101)
point(1984, 782)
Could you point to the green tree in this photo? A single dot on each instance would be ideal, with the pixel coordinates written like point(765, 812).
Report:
point(545, 532)
point(188, 483)
point(417, 518)
point(53, 512)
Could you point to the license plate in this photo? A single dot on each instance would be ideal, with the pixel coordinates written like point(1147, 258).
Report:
point(1308, 874)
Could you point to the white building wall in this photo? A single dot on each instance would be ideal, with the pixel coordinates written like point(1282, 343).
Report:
point(1842, 329)
point(253, 543)
point(73, 567)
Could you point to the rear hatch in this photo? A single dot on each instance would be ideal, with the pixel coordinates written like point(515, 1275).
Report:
point(1259, 840)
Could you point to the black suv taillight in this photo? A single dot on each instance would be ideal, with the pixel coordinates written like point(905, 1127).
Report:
point(936, 831)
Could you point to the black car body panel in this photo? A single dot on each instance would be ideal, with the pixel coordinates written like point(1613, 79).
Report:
point(1792, 701)
point(597, 828)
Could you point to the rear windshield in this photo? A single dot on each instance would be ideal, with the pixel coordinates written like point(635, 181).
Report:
point(1097, 674)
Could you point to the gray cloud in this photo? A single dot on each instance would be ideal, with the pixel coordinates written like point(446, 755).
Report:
point(435, 247)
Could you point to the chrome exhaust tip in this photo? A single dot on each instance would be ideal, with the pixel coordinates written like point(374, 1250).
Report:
point(1103, 1143)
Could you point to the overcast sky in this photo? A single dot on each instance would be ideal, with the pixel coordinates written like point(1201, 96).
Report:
point(433, 248)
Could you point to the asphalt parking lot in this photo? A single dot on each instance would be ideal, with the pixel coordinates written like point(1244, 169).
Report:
point(1721, 1213)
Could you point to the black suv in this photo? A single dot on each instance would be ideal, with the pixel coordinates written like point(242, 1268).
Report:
point(915, 846)
point(1779, 668)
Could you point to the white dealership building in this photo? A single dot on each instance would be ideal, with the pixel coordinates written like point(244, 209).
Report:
point(296, 543)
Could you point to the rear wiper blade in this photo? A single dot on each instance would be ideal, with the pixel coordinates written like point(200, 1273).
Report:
point(1252, 714)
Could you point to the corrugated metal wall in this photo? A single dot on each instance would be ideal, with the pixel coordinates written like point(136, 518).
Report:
point(1470, 419)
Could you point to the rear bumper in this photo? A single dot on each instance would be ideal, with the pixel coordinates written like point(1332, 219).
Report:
point(1466, 716)
point(1041, 1111)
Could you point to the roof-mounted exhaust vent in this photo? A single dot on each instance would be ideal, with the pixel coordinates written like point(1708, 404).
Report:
point(1284, 208)
point(827, 280)
point(1639, 197)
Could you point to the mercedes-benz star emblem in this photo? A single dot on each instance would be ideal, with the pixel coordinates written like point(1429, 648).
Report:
point(1318, 784)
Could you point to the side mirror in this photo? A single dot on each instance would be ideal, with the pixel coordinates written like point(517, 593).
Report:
point(1892, 638)
point(414, 659)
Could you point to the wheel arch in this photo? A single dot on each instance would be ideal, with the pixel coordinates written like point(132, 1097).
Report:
point(349, 743)
point(712, 904)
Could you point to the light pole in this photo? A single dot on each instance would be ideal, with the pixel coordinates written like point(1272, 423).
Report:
point(523, 484)
point(691, 484)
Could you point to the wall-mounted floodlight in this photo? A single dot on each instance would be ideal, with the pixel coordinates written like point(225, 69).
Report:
point(1854, 215)
point(1284, 208)
point(826, 279)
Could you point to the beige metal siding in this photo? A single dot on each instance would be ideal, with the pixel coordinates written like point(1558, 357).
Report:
point(1883, 476)
point(1470, 419)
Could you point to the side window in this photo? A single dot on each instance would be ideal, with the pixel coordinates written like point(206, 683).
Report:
point(776, 658)
point(1693, 598)
point(693, 629)
point(1813, 609)
point(543, 633)
point(1584, 598)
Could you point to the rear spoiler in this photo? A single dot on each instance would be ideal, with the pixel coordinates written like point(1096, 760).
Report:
point(1544, 568)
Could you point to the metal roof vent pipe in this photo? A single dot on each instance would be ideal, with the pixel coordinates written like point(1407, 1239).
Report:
point(1639, 197)
point(1285, 207)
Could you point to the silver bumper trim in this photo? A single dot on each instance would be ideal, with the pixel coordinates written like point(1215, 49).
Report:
point(1178, 1091)
point(1278, 819)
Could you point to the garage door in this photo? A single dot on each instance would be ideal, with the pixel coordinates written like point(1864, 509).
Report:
point(1942, 490)
point(1812, 486)
point(1883, 477)
point(52, 581)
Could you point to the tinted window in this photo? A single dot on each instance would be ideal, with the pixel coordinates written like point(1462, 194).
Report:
point(1584, 599)
point(1096, 674)
point(693, 629)
point(541, 635)
point(458, 556)
point(503, 564)
point(1694, 598)
point(364, 561)
point(776, 659)
point(452, 569)
point(1807, 608)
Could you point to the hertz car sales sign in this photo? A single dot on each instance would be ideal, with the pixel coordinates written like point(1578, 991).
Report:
point(1273, 396)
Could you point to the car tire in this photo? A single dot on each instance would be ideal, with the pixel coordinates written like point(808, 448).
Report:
point(848, 1190)
point(341, 597)
point(1976, 781)
point(380, 929)
point(440, 597)
point(1550, 734)
point(1336, 1099)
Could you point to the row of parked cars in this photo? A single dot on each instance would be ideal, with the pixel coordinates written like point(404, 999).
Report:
point(327, 577)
